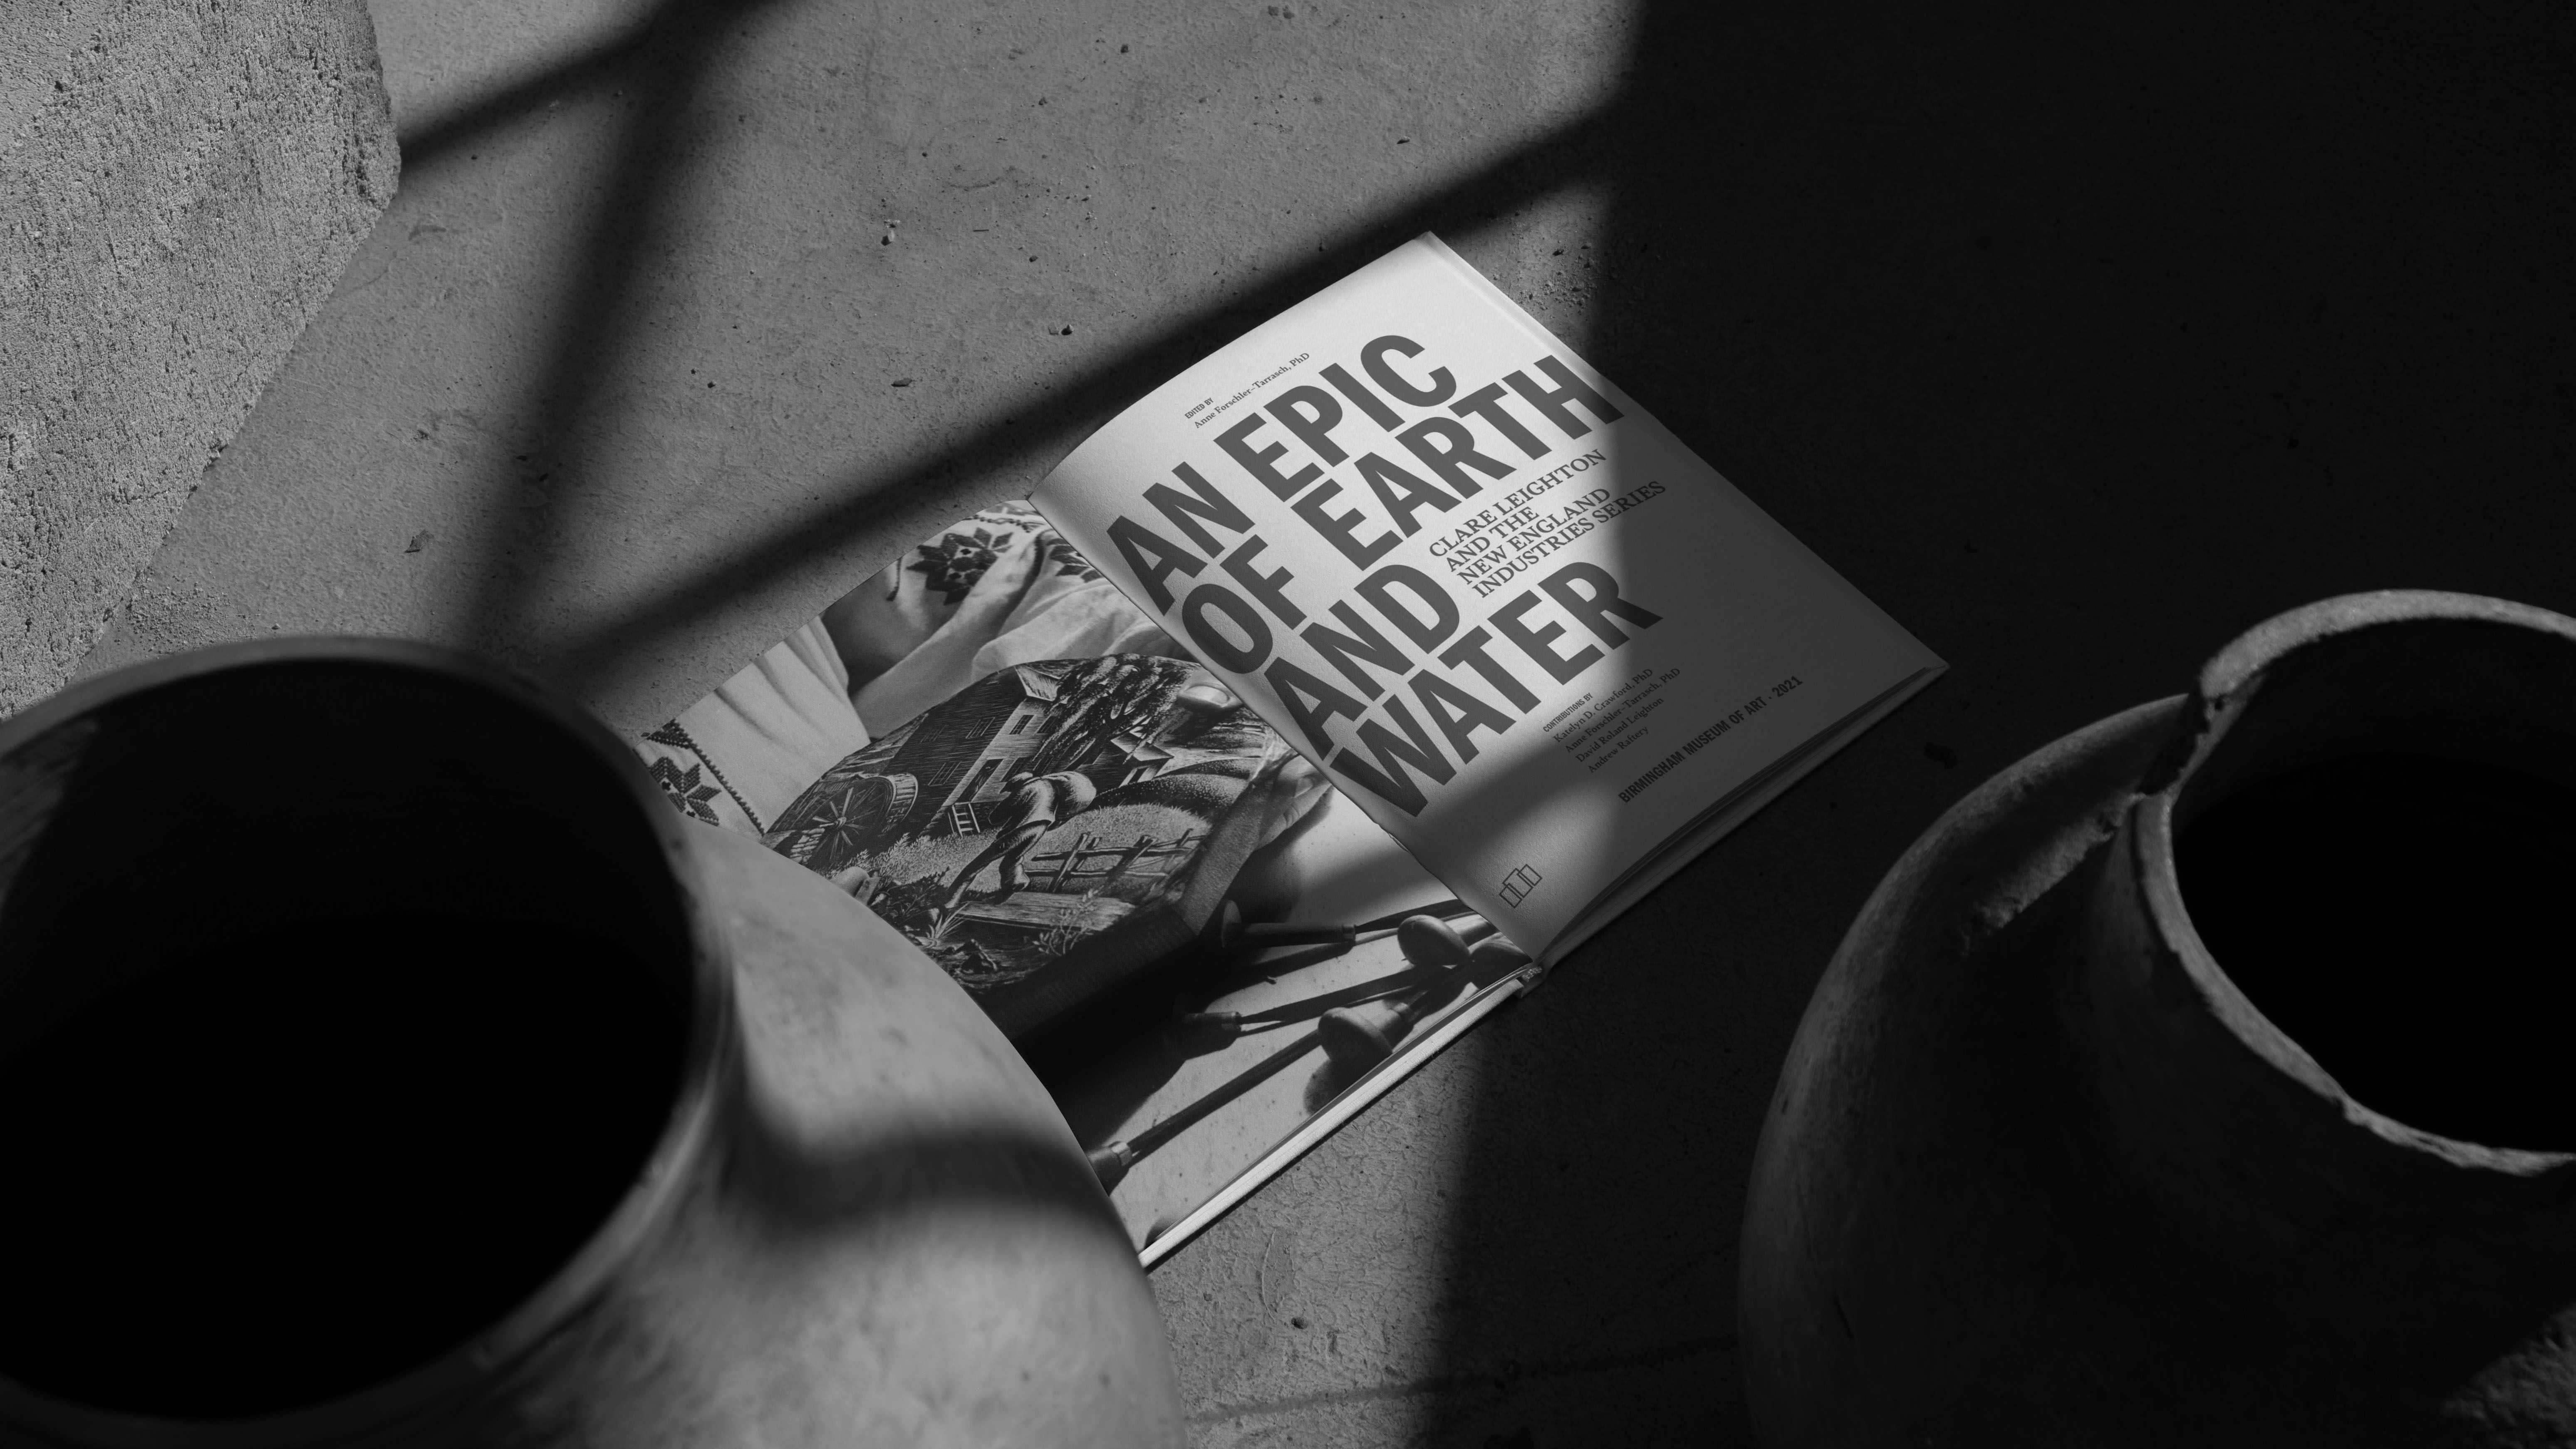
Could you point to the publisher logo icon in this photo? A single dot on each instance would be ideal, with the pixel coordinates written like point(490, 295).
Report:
point(1517, 885)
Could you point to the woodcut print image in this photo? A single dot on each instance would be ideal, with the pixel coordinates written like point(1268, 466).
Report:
point(992, 749)
point(1041, 806)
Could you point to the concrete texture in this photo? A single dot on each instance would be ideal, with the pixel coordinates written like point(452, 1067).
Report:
point(712, 304)
point(180, 186)
point(2078, 338)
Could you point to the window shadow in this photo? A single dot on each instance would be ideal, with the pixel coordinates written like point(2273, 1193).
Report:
point(668, 61)
point(664, 62)
point(1014, 437)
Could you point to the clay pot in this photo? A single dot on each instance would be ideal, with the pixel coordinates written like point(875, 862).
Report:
point(2201, 1079)
point(524, 1110)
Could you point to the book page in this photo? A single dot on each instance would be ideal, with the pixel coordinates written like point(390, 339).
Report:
point(1507, 612)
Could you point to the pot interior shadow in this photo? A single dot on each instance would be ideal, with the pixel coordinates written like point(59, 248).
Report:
point(341, 1003)
point(2377, 851)
point(2404, 918)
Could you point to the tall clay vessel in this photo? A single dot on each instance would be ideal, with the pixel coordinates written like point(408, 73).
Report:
point(2202, 1079)
point(383, 1062)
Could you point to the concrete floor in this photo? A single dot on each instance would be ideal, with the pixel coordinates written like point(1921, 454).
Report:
point(2080, 338)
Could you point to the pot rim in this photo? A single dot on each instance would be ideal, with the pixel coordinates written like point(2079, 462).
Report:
point(2227, 684)
point(419, 1395)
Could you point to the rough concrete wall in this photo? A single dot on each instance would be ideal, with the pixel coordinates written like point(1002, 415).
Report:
point(181, 182)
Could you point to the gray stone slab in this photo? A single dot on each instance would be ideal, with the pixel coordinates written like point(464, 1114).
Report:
point(180, 186)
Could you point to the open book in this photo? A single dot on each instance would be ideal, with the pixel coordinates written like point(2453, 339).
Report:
point(1313, 709)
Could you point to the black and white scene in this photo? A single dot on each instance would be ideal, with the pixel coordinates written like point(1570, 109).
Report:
point(1287, 724)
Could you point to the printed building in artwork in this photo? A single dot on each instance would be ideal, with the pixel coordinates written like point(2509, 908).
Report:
point(1017, 716)
point(963, 754)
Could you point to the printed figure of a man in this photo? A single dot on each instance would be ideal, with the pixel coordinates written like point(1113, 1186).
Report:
point(1036, 803)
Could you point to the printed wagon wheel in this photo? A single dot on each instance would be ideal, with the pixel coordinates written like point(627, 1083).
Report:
point(863, 813)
